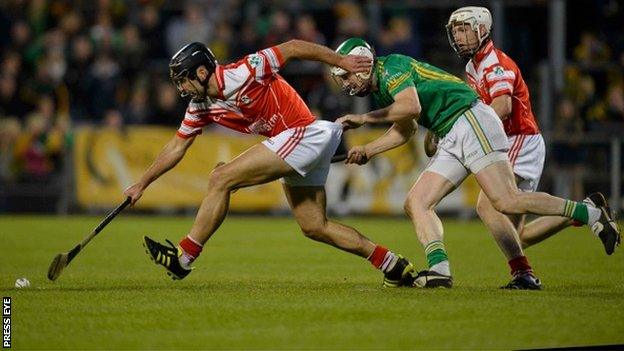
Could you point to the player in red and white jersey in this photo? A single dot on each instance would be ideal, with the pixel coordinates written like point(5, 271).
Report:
point(498, 81)
point(251, 97)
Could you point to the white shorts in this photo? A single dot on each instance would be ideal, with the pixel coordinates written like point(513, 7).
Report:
point(308, 150)
point(476, 140)
point(526, 155)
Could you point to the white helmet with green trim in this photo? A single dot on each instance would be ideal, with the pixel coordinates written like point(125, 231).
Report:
point(360, 83)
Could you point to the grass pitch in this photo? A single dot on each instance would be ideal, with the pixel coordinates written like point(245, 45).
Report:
point(260, 284)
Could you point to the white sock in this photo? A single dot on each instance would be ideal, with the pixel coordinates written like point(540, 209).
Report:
point(441, 267)
point(389, 262)
point(185, 260)
point(593, 215)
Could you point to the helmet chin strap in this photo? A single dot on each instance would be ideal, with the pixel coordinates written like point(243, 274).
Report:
point(364, 88)
point(482, 43)
point(203, 84)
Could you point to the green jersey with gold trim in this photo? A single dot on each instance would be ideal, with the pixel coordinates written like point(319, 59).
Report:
point(443, 97)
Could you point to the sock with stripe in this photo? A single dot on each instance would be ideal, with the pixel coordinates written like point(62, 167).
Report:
point(190, 251)
point(520, 265)
point(581, 212)
point(383, 259)
point(437, 258)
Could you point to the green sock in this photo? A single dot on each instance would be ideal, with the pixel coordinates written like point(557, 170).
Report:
point(435, 252)
point(576, 210)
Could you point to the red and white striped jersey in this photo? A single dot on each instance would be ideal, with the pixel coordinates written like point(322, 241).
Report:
point(252, 98)
point(492, 73)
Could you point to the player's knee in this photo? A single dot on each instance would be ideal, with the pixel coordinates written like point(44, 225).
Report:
point(483, 208)
point(507, 205)
point(407, 207)
point(219, 180)
point(414, 205)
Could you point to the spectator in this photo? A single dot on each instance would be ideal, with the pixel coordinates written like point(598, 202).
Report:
point(113, 119)
point(102, 82)
point(279, 29)
point(39, 149)
point(247, 41)
point(80, 58)
point(351, 23)
point(152, 32)
point(591, 51)
point(131, 51)
point(12, 65)
point(222, 42)
point(568, 153)
point(21, 35)
point(615, 103)
point(168, 109)
point(398, 38)
point(10, 102)
point(306, 30)
point(10, 130)
point(71, 24)
point(193, 26)
point(137, 110)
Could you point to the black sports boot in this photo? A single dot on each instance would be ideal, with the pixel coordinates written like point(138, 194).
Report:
point(605, 228)
point(431, 279)
point(166, 256)
point(524, 281)
point(400, 275)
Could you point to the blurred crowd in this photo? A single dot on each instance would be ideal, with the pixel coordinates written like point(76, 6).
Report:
point(591, 105)
point(69, 62)
point(65, 63)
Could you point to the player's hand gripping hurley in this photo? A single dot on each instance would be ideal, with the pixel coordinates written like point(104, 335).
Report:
point(62, 260)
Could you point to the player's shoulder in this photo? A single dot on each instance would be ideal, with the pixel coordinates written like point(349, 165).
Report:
point(394, 66)
point(234, 74)
point(396, 60)
point(503, 59)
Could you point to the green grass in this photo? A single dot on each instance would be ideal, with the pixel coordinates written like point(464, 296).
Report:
point(261, 285)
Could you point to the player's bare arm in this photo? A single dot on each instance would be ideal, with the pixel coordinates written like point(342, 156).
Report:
point(502, 106)
point(304, 50)
point(170, 155)
point(398, 134)
point(406, 106)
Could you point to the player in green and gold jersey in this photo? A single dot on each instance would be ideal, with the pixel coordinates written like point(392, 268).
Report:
point(471, 140)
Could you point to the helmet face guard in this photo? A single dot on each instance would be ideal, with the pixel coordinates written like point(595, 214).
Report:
point(477, 19)
point(353, 84)
point(184, 64)
point(358, 84)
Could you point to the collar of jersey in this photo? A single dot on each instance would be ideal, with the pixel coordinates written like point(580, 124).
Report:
point(483, 52)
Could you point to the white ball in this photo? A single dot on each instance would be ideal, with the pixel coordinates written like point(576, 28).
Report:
point(22, 283)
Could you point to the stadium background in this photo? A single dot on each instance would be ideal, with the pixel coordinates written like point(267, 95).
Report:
point(85, 102)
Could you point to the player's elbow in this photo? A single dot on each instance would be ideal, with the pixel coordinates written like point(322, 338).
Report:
point(290, 49)
point(412, 111)
point(294, 43)
point(504, 111)
point(503, 106)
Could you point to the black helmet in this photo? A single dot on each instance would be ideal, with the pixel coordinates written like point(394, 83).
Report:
point(185, 62)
